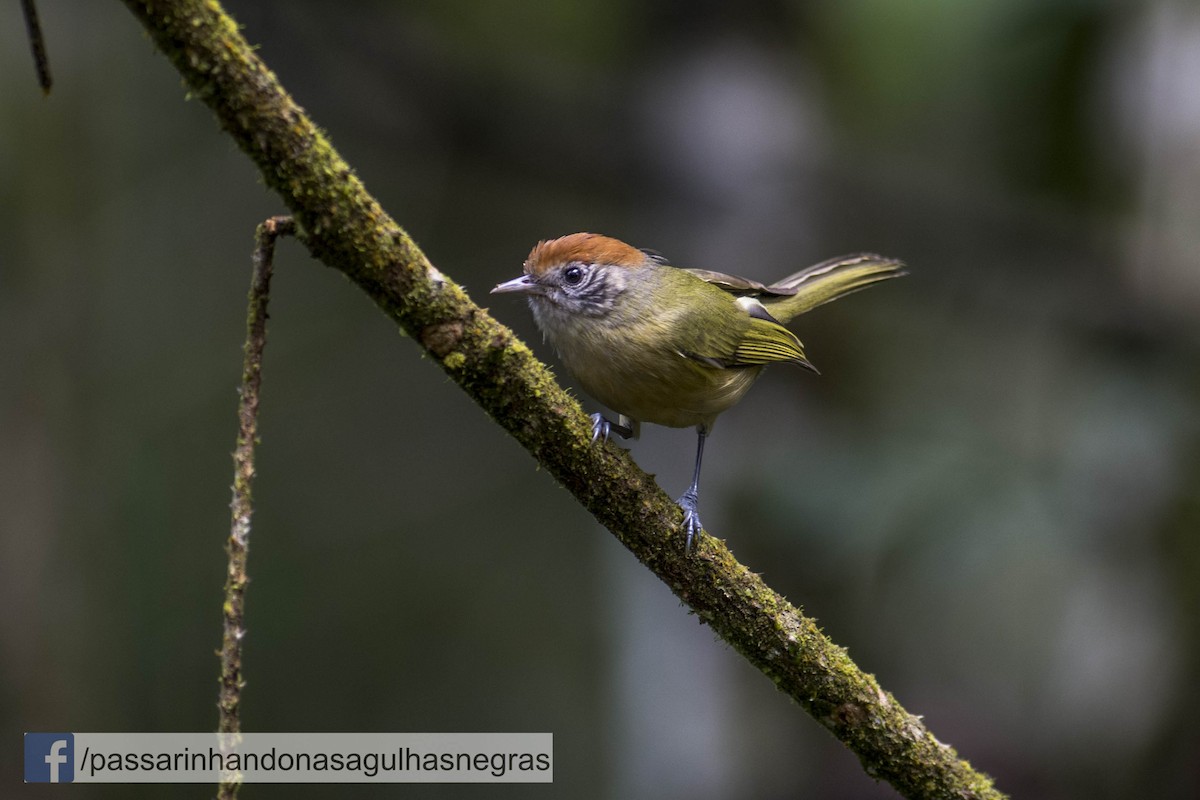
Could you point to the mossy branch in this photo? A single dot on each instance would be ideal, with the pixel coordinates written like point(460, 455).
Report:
point(344, 226)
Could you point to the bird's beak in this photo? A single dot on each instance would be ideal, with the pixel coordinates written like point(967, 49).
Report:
point(524, 284)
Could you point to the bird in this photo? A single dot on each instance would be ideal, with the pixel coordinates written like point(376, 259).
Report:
point(671, 346)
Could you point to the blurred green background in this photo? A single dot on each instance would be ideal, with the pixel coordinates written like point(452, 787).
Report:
point(991, 495)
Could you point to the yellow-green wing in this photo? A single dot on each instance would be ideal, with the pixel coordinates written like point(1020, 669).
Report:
point(738, 333)
point(762, 342)
point(766, 342)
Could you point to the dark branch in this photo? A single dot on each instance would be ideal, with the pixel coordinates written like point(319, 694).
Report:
point(37, 43)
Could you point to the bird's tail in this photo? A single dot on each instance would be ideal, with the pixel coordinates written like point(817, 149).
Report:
point(829, 280)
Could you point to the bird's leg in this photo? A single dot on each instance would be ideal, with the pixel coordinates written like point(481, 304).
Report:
point(602, 427)
point(690, 500)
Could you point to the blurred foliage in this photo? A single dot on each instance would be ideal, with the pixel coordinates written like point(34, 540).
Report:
point(990, 495)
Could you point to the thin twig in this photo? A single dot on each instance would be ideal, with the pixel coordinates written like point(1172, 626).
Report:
point(237, 547)
point(38, 44)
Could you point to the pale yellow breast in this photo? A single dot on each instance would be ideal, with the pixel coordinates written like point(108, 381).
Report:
point(662, 387)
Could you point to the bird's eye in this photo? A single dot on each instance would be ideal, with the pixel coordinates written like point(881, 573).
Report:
point(573, 275)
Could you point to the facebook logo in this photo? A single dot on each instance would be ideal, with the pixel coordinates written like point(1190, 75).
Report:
point(49, 757)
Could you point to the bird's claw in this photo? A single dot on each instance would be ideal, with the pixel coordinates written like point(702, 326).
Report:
point(602, 428)
point(690, 503)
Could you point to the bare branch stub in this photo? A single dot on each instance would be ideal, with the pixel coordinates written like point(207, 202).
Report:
point(242, 507)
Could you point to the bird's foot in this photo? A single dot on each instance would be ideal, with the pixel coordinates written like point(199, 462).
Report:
point(690, 503)
point(602, 427)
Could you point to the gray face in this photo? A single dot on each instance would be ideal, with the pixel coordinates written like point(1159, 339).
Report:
point(578, 289)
